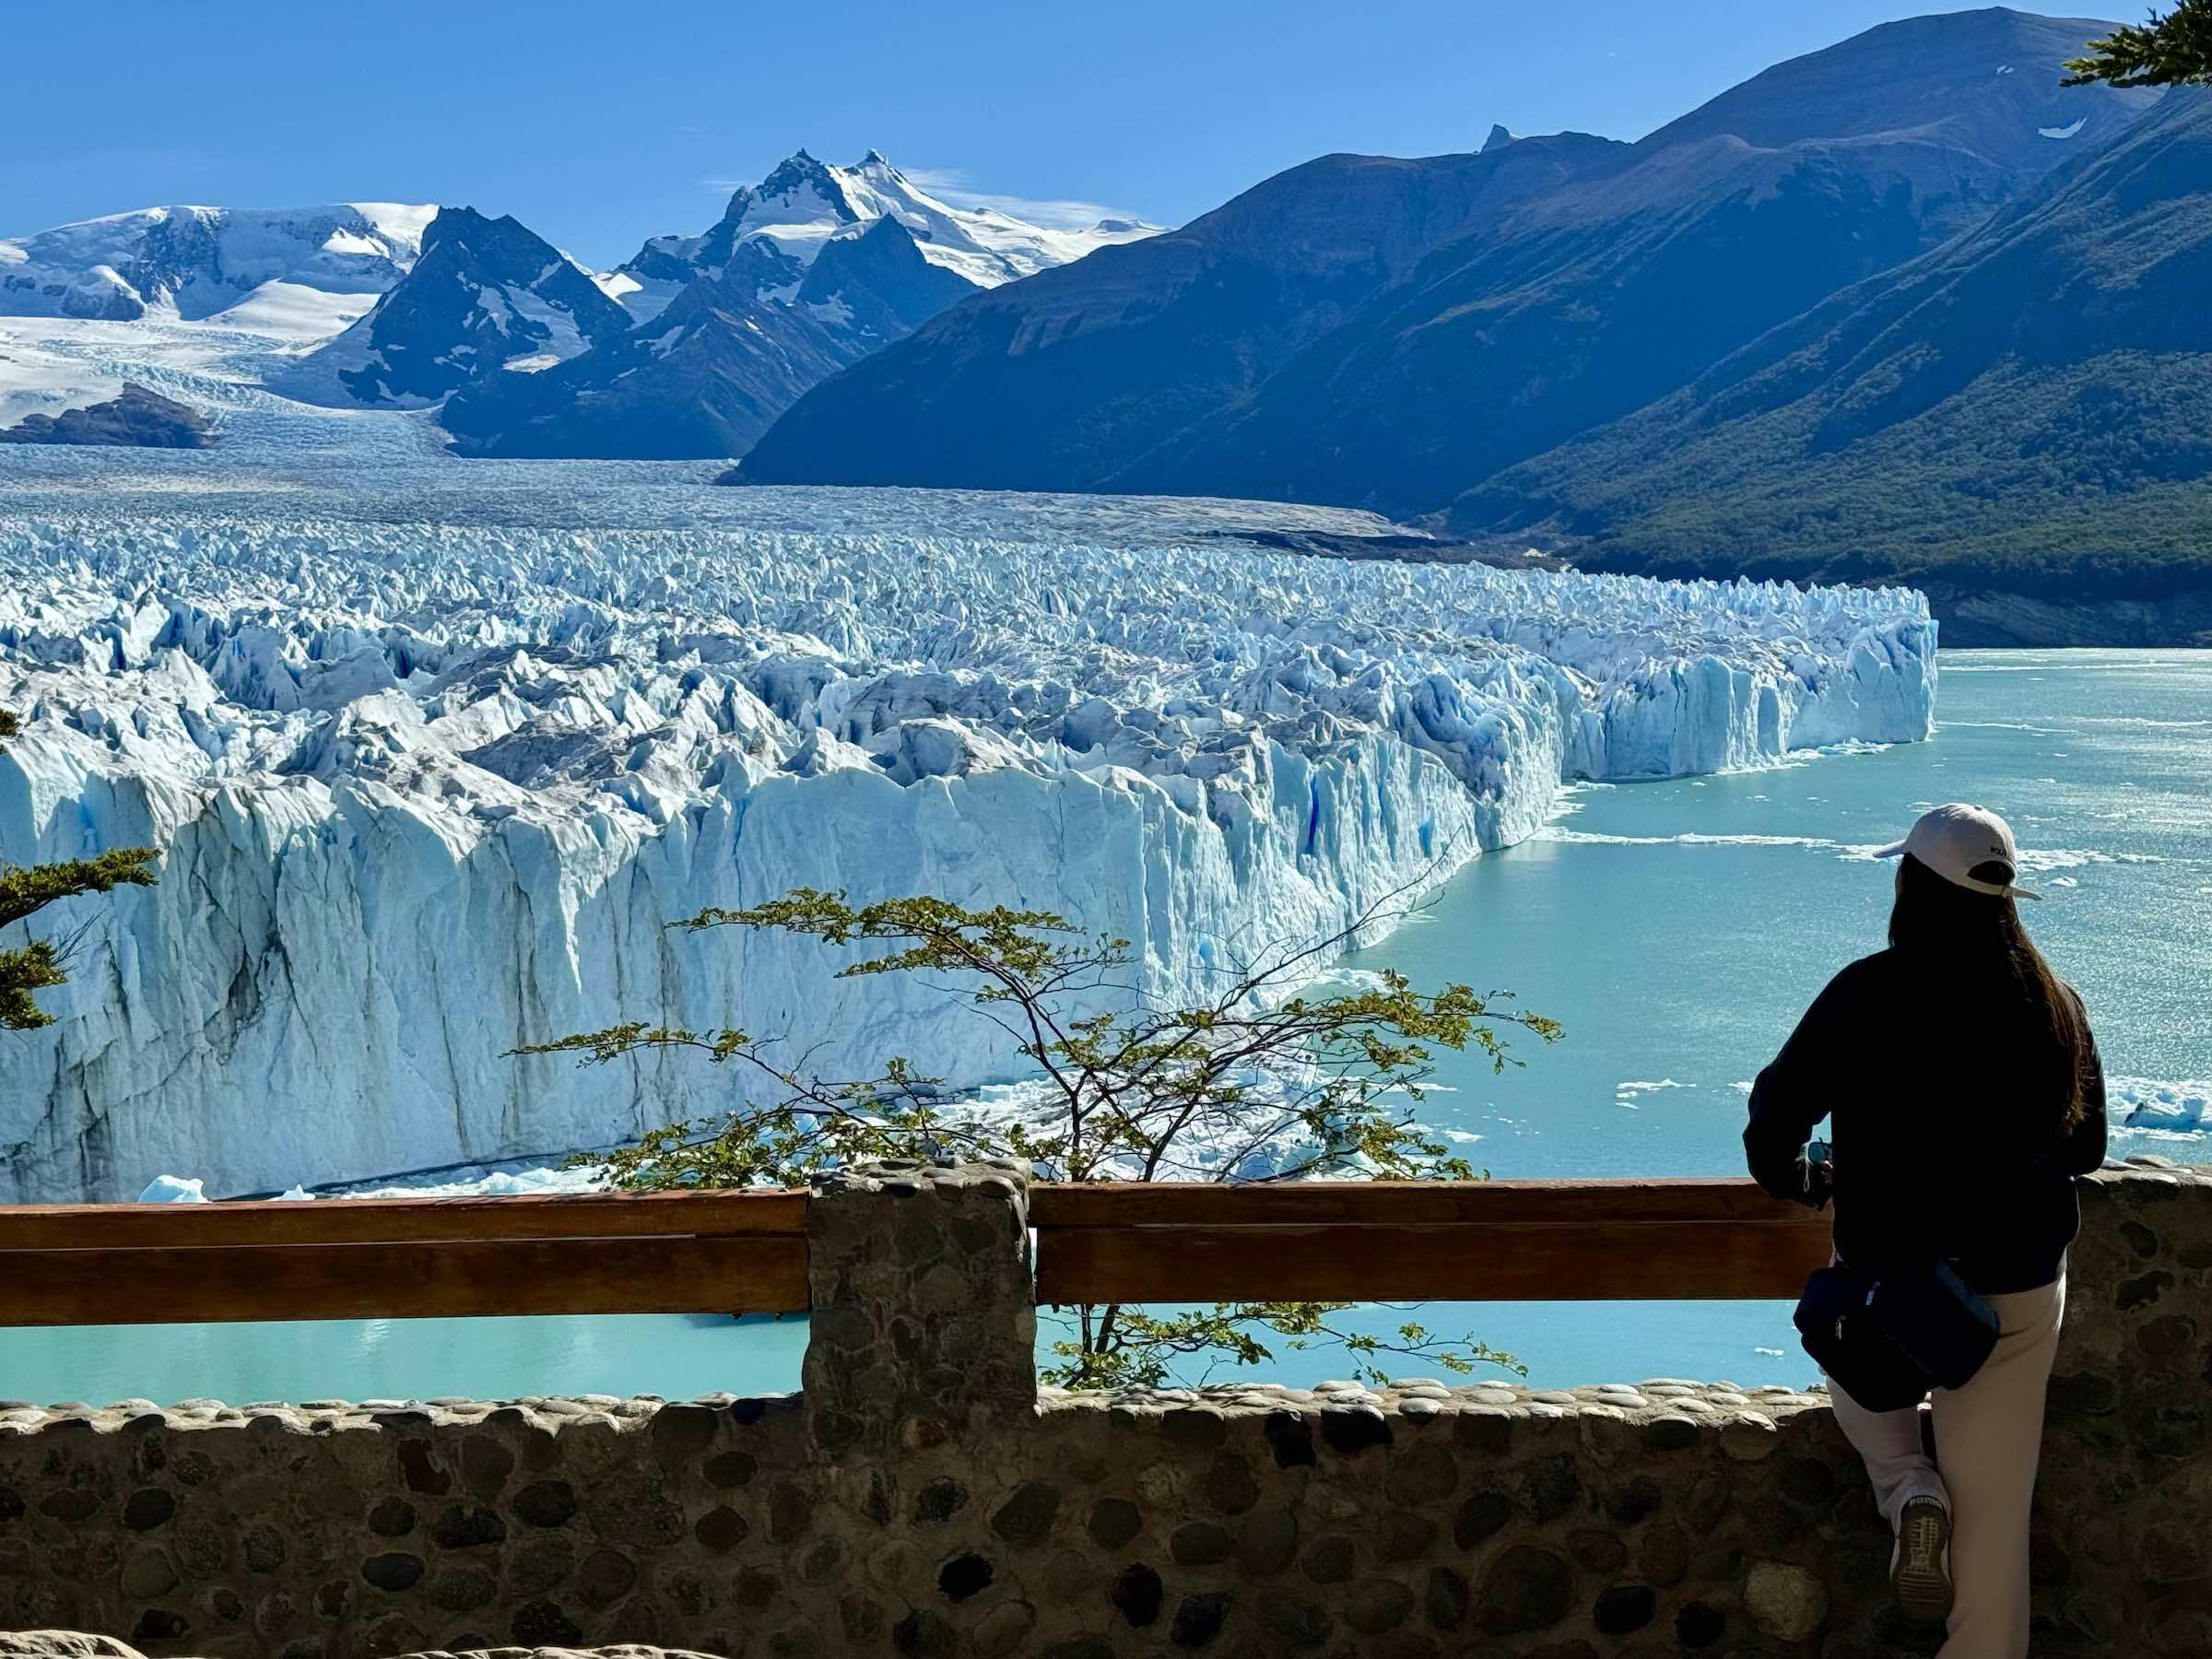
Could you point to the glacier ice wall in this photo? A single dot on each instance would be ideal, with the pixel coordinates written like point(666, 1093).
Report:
point(430, 790)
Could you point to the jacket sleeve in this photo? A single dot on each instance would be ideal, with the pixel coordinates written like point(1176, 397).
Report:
point(2081, 1149)
point(1795, 1092)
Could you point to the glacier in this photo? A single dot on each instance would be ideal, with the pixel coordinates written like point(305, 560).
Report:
point(436, 749)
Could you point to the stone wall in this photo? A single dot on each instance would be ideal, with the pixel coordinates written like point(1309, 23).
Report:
point(922, 1499)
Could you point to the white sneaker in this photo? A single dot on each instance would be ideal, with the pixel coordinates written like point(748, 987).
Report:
point(1920, 1563)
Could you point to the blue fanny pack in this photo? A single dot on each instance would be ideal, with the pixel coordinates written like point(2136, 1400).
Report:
point(1889, 1338)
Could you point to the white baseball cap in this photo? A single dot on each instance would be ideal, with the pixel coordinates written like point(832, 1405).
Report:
point(1955, 839)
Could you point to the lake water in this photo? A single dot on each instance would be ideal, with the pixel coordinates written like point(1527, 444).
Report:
point(1677, 929)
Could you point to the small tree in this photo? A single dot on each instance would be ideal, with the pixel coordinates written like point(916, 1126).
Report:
point(2173, 49)
point(1260, 1081)
point(24, 892)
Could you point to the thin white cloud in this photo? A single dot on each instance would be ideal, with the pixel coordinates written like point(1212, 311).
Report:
point(956, 186)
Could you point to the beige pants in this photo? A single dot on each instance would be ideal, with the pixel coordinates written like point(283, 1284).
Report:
point(1988, 1436)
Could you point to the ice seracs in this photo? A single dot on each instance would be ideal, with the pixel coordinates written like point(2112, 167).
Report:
point(433, 788)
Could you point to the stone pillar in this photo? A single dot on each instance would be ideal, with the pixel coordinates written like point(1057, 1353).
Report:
point(925, 1321)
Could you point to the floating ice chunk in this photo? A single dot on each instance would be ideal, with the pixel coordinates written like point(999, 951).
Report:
point(487, 1183)
point(174, 1189)
point(2159, 1107)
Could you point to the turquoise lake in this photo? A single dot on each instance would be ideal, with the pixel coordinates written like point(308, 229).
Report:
point(1676, 929)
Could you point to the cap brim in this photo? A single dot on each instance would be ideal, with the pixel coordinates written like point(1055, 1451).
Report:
point(1895, 850)
point(2021, 892)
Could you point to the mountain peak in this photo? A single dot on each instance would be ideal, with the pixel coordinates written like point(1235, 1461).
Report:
point(1497, 139)
point(800, 175)
point(1989, 80)
point(450, 224)
point(487, 296)
point(771, 232)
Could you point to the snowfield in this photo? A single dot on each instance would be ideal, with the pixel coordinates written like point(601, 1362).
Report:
point(437, 748)
point(209, 262)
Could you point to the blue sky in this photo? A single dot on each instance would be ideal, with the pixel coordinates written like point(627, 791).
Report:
point(598, 124)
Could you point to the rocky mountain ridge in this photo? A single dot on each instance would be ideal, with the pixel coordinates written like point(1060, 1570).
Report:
point(2012, 421)
point(1387, 334)
point(486, 298)
point(708, 372)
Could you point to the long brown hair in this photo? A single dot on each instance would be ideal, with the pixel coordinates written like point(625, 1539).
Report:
point(1981, 947)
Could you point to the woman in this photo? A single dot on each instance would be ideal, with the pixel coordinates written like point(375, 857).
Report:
point(1965, 1095)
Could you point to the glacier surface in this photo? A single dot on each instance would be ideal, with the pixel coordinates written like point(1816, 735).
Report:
point(437, 748)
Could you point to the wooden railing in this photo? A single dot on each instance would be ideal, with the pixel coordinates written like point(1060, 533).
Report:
point(1496, 1241)
point(1486, 1241)
point(399, 1258)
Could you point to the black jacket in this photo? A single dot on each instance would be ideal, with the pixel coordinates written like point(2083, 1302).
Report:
point(1944, 1147)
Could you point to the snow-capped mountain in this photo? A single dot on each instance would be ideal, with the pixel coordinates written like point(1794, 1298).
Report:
point(770, 232)
point(709, 372)
point(805, 274)
point(403, 307)
point(487, 297)
point(300, 269)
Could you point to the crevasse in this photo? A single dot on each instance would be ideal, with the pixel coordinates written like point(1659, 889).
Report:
point(429, 791)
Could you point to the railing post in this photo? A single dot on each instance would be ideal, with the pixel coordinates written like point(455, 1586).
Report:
point(925, 1320)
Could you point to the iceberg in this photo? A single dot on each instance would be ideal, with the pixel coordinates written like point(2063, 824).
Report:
point(2158, 1107)
point(174, 1189)
point(432, 788)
